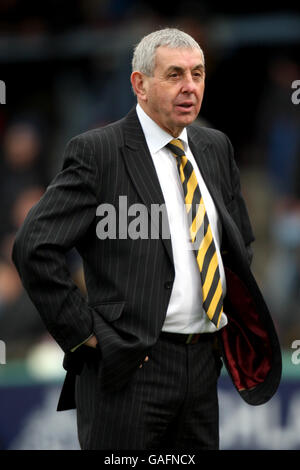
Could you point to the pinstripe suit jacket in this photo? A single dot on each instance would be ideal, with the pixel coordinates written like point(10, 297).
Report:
point(128, 281)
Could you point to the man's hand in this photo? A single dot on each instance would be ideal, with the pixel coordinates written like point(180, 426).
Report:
point(92, 342)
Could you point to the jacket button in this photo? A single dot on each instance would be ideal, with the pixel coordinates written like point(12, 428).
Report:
point(168, 285)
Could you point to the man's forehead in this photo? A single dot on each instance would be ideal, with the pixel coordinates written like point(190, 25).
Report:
point(181, 56)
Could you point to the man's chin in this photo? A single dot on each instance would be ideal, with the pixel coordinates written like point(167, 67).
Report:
point(186, 119)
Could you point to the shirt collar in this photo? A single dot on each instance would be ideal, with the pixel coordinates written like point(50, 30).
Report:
point(155, 136)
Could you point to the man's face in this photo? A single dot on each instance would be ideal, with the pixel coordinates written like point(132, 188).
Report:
point(173, 96)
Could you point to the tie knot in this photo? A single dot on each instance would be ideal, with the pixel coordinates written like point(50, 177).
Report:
point(176, 147)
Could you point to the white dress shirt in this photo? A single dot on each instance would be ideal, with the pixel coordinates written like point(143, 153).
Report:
point(185, 313)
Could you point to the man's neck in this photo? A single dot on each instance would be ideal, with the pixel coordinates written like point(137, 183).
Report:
point(174, 132)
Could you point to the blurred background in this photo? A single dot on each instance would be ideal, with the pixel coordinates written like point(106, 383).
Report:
point(66, 67)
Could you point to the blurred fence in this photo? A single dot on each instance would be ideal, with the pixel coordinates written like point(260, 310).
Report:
point(29, 420)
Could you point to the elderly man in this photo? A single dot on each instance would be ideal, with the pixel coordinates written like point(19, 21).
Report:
point(143, 350)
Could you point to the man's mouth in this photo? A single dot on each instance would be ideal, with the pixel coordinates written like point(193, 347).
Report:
point(185, 106)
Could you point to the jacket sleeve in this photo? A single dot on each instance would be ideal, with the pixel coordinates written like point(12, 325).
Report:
point(52, 227)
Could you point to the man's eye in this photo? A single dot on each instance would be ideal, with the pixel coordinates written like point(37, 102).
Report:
point(173, 75)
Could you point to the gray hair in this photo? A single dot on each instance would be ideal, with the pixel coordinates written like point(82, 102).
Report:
point(144, 53)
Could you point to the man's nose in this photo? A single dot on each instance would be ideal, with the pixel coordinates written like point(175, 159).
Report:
point(188, 84)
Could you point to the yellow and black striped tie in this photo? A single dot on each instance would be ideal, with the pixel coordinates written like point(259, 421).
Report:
point(201, 235)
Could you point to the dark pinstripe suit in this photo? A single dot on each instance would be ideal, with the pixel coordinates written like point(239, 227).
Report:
point(129, 281)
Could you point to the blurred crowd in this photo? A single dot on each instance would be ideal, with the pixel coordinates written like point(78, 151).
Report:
point(22, 183)
point(31, 152)
point(278, 147)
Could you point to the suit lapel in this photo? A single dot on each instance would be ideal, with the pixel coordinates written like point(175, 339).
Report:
point(142, 172)
point(208, 164)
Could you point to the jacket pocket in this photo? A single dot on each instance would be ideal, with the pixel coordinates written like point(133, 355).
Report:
point(110, 311)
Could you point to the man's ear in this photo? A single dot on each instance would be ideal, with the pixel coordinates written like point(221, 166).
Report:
point(139, 85)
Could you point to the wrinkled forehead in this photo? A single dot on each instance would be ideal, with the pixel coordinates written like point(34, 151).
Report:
point(180, 57)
